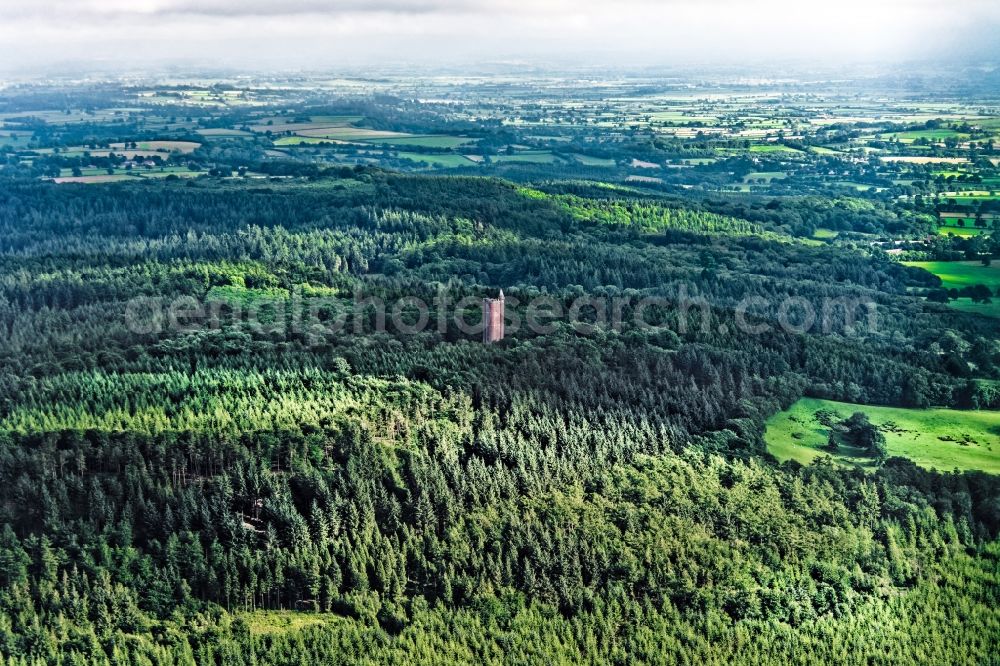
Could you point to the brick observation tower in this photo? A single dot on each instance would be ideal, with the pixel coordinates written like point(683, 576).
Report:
point(493, 319)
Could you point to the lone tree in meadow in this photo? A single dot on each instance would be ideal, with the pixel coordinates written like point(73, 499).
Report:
point(863, 434)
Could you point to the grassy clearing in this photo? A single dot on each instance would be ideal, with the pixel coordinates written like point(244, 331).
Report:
point(439, 161)
point(958, 274)
point(539, 157)
point(269, 623)
point(222, 132)
point(824, 234)
point(82, 151)
point(943, 439)
point(425, 141)
point(95, 175)
point(681, 117)
point(970, 196)
point(772, 148)
point(182, 172)
point(161, 146)
point(280, 124)
point(963, 232)
point(105, 178)
point(353, 134)
point(764, 175)
point(859, 187)
point(985, 309)
point(303, 141)
point(919, 159)
point(373, 137)
point(587, 160)
point(339, 119)
point(934, 135)
point(17, 140)
point(643, 179)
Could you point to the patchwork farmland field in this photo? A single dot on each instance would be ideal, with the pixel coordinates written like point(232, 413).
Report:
point(444, 161)
point(159, 146)
point(943, 439)
point(963, 232)
point(958, 274)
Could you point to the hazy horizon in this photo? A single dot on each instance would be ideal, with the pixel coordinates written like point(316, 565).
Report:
point(312, 34)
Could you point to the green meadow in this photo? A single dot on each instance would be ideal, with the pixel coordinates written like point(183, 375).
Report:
point(374, 139)
point(764, 175)
point(772, 148)
point(533, 157)
point(963, 232)
point(943, 439)
point(424, 141)
point(588, 160)
point(302, 140)
point(446, 161)
point(933, 135)
point(991, 309)
point(958, 274)
point(276, 622)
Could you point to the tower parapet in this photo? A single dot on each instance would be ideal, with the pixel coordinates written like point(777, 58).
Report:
point(493, 314)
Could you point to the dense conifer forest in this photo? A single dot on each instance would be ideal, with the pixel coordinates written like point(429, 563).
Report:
point(194, 485)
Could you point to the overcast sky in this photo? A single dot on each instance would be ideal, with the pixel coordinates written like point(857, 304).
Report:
point(325, 34)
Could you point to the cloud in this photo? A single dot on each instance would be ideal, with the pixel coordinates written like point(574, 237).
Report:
point(323, 33)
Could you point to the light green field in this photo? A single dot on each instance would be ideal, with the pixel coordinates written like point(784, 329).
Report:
point(303, 140)
point(374, 137)
point(587, 160)
point(15, 139)
point(764, 175)
point(958, 274)
point(345, 120)
point(681, 117)
point(180, 172)
point(986, 309)
point(530, 157)
point(962, 232)
point(772, 148)
point(95, 175)
point(360, 134)
point(943, 439)
point(824, 234)
point(933, 135)
point(442, 161)
point(971, 196)
point(341, 138)
point(90, 171)
point(161, 146)
point(94, 179)
point(919, 159)
point(263, 623)
point(222, 132)
point(424, 141)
